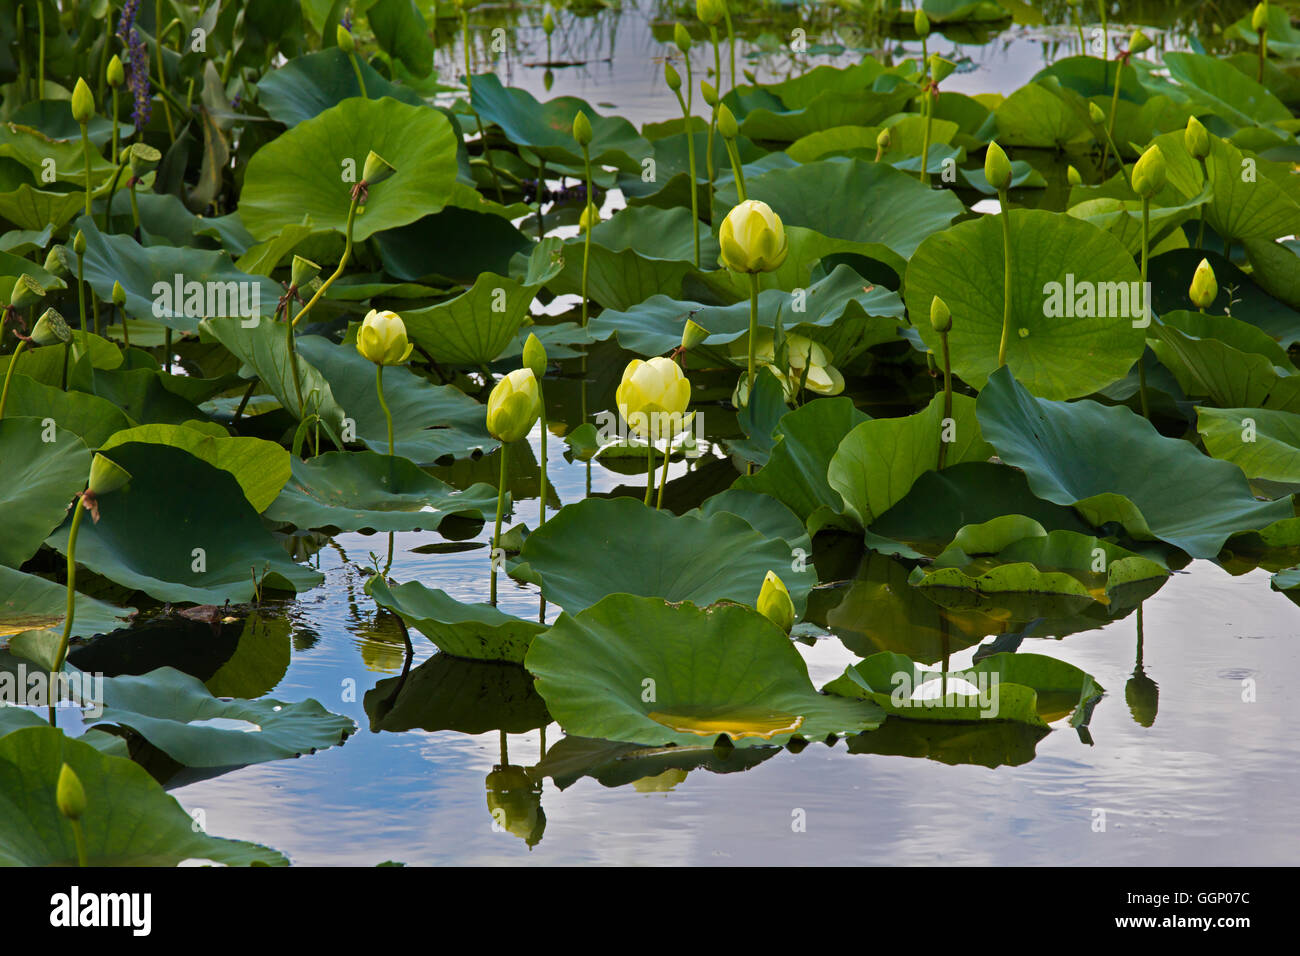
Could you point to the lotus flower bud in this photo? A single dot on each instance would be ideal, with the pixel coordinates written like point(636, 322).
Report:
point(382, 338)
point(940, 69)
point(672, 77)
point(1096, 114)
point(83, 102)
point(119, 295)
point(1073, 177)
point(343, 36)
point(693, 334)
point(376, 169)
point(302, 272)
point(884, 139)
point(50, 329)
point(548, 23)
point(589, 218)
point(921, 23)
point(727, 122)
point(79, 243)
point(940, 316)
point(1259, 19)
point(752, 238)
point(710, 93)
point(116, 73)
point(535, 356)
point(1139, 42)
point(681, 38)
point(1204, 287)
point(997, 168)
point(1149, 173)
point(1196, 138)
point(142, 159)
point(653, 396)
point(106, 476)
point(69, 794)
point(774, 602)
point(513, 406)
point(582, 132)
point(26, 293)
point(710, 11)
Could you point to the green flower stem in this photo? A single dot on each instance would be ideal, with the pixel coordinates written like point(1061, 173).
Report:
point(541, 200)
point(1006, 284)
point(40, 53)
point(21, 21)
point(81, 294)
point(1259, 74)
point(947, 393)
point(112, 191)
point(361, 80)
point(162, 72)
point(1105, 41)
point(753, 332)
point(501, 507)
point(135, 212)
point(1110, 122)
point(734, 154)
point(102, 73)
point(1142, 372)
point(1200, 229)
point(62, 653)
point(85, 148)
point(690, 156)
point(650, 469)
point(293, 365)
point(925, 140)
point(9, 374)
point(116, 127)
point(541, 497)
point(713, 120)
point(243, 402)
point(79, 835)
point(379, 387)
point(1078, 22)
point(731, 47)
point(663, 477)
point(347, 254)
point(586, 243)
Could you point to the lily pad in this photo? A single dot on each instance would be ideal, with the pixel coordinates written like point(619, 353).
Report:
point(29, 602)
point(1261, 442)
point(310, 84)
point(451, 693)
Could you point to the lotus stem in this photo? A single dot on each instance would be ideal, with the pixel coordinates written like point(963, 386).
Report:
point(1110, 122)
point(162, 73)
point(1078, 22)
point(347, 253)
point(586, 241)
point(243, 402)
point(733, 153)
point(1006, 282)
point(40, 52)
point(361, 80)
point(102, 73)
point(379, 387)
point(79, 837)
point(753, 332)
point(1105, 41)
point(731, 46)
point(713, 119)
point(81, 293)
point(925, 140)
point(1200, 229)
point(293, 366)
point(135, 209)
point(947, 393)
point(1142, 372)
point(541, 508)
point(501, 507)
point(85, 148)
point(690, 156)
point(541, 197)
point(1259, 74)
point(167, 351)
point(9, 374)
point(650, 467)
point(112, 191)
point(20, 21)
point(62, 653)
point(116, 126)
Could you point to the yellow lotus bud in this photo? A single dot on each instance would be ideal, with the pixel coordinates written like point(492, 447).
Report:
point(343, 36)
point(548, 23)
point(582, 129)
point(774, 602)
point(1096, 114)
point(921, 23)
point(382, 338)
point(589, 218)
point(376, 169)
point(1196, 138)
point(106, 476)
point(940, 69)
point(673, 78)
point(50, 329)
point(940, 316)
point(752, 238)
point(653, 397)
point(884, 139)
point(1204, 287)
point(79, 243)
point(681, 38)
point(119, 295)
point(727, 122)
point(1149, 173)
point(69, 794)
point(997, 168)
point(302, 272)
point(710, 11)
point(710, 93)
point(116, 73)
point(83, 102)
point(26, 293)
point(535, 356)
point(1259, 19)
point(513, 406)
point(1139, 42)
point(1073, 177)
point(693, 334)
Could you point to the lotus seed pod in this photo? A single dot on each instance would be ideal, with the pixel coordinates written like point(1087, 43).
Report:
point(682, 38)
point(548, 23)
point(1096, 114)
point(83, 102)
point(997, 168)
point(535, 356)
point(119, 295)
point(673, 78)
point(774, 602)
point(382, 338)
point(710, 93)
point(1259, 19)
point(727, 122)
point(1196, 138)
point(376, 169)
point(513, 406)
point(1204, 287)
point(582, 132)
point(940, 317)
point(940, 69)
point(142, 159)
point(50, 329)
point(752, 238)
point(116, 73)
point(921, 23)
point(1073, 177)
point(693, 334)
point(1139, 42)
point(26, 293)
point(69, 794)
point(1149, 173)
point(106, 476)
point(59, 262)
point(710, 11)
point(344, 39)
point(883, 139)
point(79, 243)
point(302, 272)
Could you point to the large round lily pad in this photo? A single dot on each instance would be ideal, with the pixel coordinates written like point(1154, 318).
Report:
point(477, 632)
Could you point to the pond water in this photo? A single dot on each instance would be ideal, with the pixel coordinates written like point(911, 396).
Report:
point(1213, 777)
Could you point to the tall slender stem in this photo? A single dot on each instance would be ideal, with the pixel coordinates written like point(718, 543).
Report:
point(501, 506)
point(734, 155)
point(62, 653)
point(690, 156)
point(541, 497)
point(1142, 372)
point(650, 467)
point(9, 374)
point(663, 477)
point(347, 253)
point(925, 140)
point(753, 332)
point(85, 149)
point(379, 387)
point(947, 394)
point(1006, 280)
point(586, 242)
point(40, 53)
point(731, 46)
point(361, 80)
point(1110, 122)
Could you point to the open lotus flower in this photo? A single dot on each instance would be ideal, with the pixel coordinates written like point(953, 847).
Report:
point(382, 338)
point(752, 238)
point(801, 354)
point(513, 406)
point(653, 397)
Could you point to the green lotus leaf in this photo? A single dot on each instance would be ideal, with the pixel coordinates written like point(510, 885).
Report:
point(474, 327)
point(615, 764)
point(430, 422)
point(1227, 361)
point(40, 479)
point(91, 418)
point(1170, 274)
point(1057, 356)
point(476, 632)
point(30, 208)
point(364, 491)
point(1039, 117)
point(299, 176)
point(455, 243)
point(1112, 465)
point(29, 602)
point(1247, 206)
point(401, 32)
point(765, 514)
point(640, 670)
point(175, 504)
point(877, 463)
point(129, 821)
point(1226, 90)
point(450, 693)
point(989, 744)
point(45, 364)
point(260, 467)
point(1122, 218)
point(1261, 442)
point(1276, 267)
point(31, 148)
point(826, 110)
point(601, 546)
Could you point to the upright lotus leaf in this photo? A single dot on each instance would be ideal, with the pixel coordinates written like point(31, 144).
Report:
point(600, 546)
point(1261, 442)
point(989, 744)
point(473, 328)
point(1276, 267)
point(172, 285)
point(89, 417)
point(764, 513)
point(1075, 295)
point(826, 110)
point(1229, 362)
point(890, 216)
point(365, 491)
point(129, 820)
point(182, 530)
point(615, 764)
point(40, 478)
point(642, 670)
point(45, 363)
point(450, 693)
point(795, 474)
point(1112, 465)
point(310, 84)
point(29, 602)
point(179, 716)
point(455, 243)
point(477, 632)
point(1226, 90)
point(261, 467)
point(1247, 207)
point(401, 32)
point(430, 422)
point(1041, 117)
point(547, 128)
point(759, 418)
point(305, 174)
point(1122, 217)
point(877, 463)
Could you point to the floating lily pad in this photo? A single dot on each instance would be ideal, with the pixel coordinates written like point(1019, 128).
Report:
point(29, 603)
point(615, 764)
